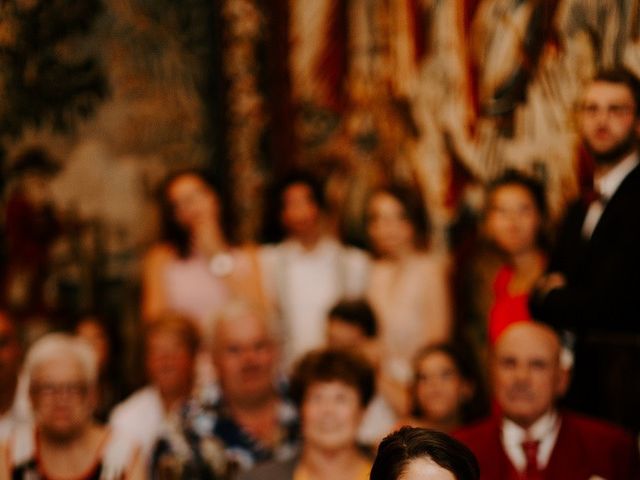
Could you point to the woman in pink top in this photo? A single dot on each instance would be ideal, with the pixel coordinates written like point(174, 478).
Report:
point(516, 213)
point(195, 269)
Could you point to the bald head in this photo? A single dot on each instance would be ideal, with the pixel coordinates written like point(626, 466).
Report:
point(527, 376)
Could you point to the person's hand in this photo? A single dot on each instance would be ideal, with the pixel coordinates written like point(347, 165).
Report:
point(550, 282)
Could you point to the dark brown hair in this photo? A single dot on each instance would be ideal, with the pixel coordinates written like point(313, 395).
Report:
point(402, 447)
point(410, 198)
point(329, 365)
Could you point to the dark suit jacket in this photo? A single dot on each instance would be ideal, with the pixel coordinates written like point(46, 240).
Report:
point(603, 273)
point(601, 305)
point(584, 447)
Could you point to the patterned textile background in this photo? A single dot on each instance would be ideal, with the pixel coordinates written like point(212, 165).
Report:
point(443, 93)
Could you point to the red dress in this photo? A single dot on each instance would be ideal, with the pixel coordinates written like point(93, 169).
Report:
point(506, 308)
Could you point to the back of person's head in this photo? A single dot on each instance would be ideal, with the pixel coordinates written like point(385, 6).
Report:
point(357, 313)
point(399, 450)
point(332, 365)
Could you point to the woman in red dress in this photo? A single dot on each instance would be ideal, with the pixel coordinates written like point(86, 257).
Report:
point(516, 213)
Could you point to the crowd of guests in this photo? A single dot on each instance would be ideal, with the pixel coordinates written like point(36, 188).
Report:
point(294, 360)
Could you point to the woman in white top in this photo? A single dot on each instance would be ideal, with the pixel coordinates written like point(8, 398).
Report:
point(408, 288)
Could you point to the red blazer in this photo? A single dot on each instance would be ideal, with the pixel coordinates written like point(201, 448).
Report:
point(584, 448)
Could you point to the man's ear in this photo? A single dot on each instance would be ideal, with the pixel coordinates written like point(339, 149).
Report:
point(563, 380)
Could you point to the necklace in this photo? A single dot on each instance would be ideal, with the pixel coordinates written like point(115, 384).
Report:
point(221, 264)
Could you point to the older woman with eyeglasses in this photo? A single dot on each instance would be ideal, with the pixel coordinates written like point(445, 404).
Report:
point(64, 442)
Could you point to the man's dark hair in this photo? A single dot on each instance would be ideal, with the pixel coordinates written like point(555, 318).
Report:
point(400, 448)
point(331, 365)
point(622, 76)
point(273, 230)
point(357, 313)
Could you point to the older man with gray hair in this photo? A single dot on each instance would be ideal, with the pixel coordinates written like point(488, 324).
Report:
point(532, 439)
point(251, 415)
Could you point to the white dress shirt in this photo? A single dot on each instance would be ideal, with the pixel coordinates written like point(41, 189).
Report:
point(545, 430)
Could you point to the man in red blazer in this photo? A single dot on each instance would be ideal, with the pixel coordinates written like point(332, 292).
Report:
point(532, 439)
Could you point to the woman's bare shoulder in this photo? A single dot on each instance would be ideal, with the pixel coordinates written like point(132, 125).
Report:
point(159, 253)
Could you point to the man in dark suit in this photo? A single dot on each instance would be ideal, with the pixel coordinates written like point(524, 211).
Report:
point(532, 439)
point(593, 284)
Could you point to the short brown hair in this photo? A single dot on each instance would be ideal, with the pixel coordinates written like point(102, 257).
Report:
point(330, 365)
point(178, 324)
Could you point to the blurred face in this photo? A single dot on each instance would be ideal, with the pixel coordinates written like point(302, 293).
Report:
point(607, 121)
point(63, 401)
point(170, 363)
point(388, 226)
point(300, 212)
point(245, 358)
point(440, 389)
point(425, 469)
point(343, 334)
point(93, 333)
point(331, 413)
point(527, 376)
point(9, 352)
point(513, 220)
point(192, 200)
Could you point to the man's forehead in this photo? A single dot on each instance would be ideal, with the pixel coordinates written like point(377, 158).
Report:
point(602, 91)
point(528, 340)
point(59, 367)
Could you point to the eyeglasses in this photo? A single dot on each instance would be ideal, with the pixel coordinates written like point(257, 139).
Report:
point(615, 110)
point(47, 390)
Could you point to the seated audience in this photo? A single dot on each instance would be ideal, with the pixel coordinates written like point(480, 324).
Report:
point(92, 329)
point(171, 343)
point(447, 392)
point(421, 454)
point(331, 389)
point(352, 326)
point(64, 441)
point(251, 416)
point(533, 439)
point(408, 287)
point(516, 214)
point(14, 409)
point(309, 270)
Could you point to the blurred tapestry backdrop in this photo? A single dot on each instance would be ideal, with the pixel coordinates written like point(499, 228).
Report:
point(107, 97)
